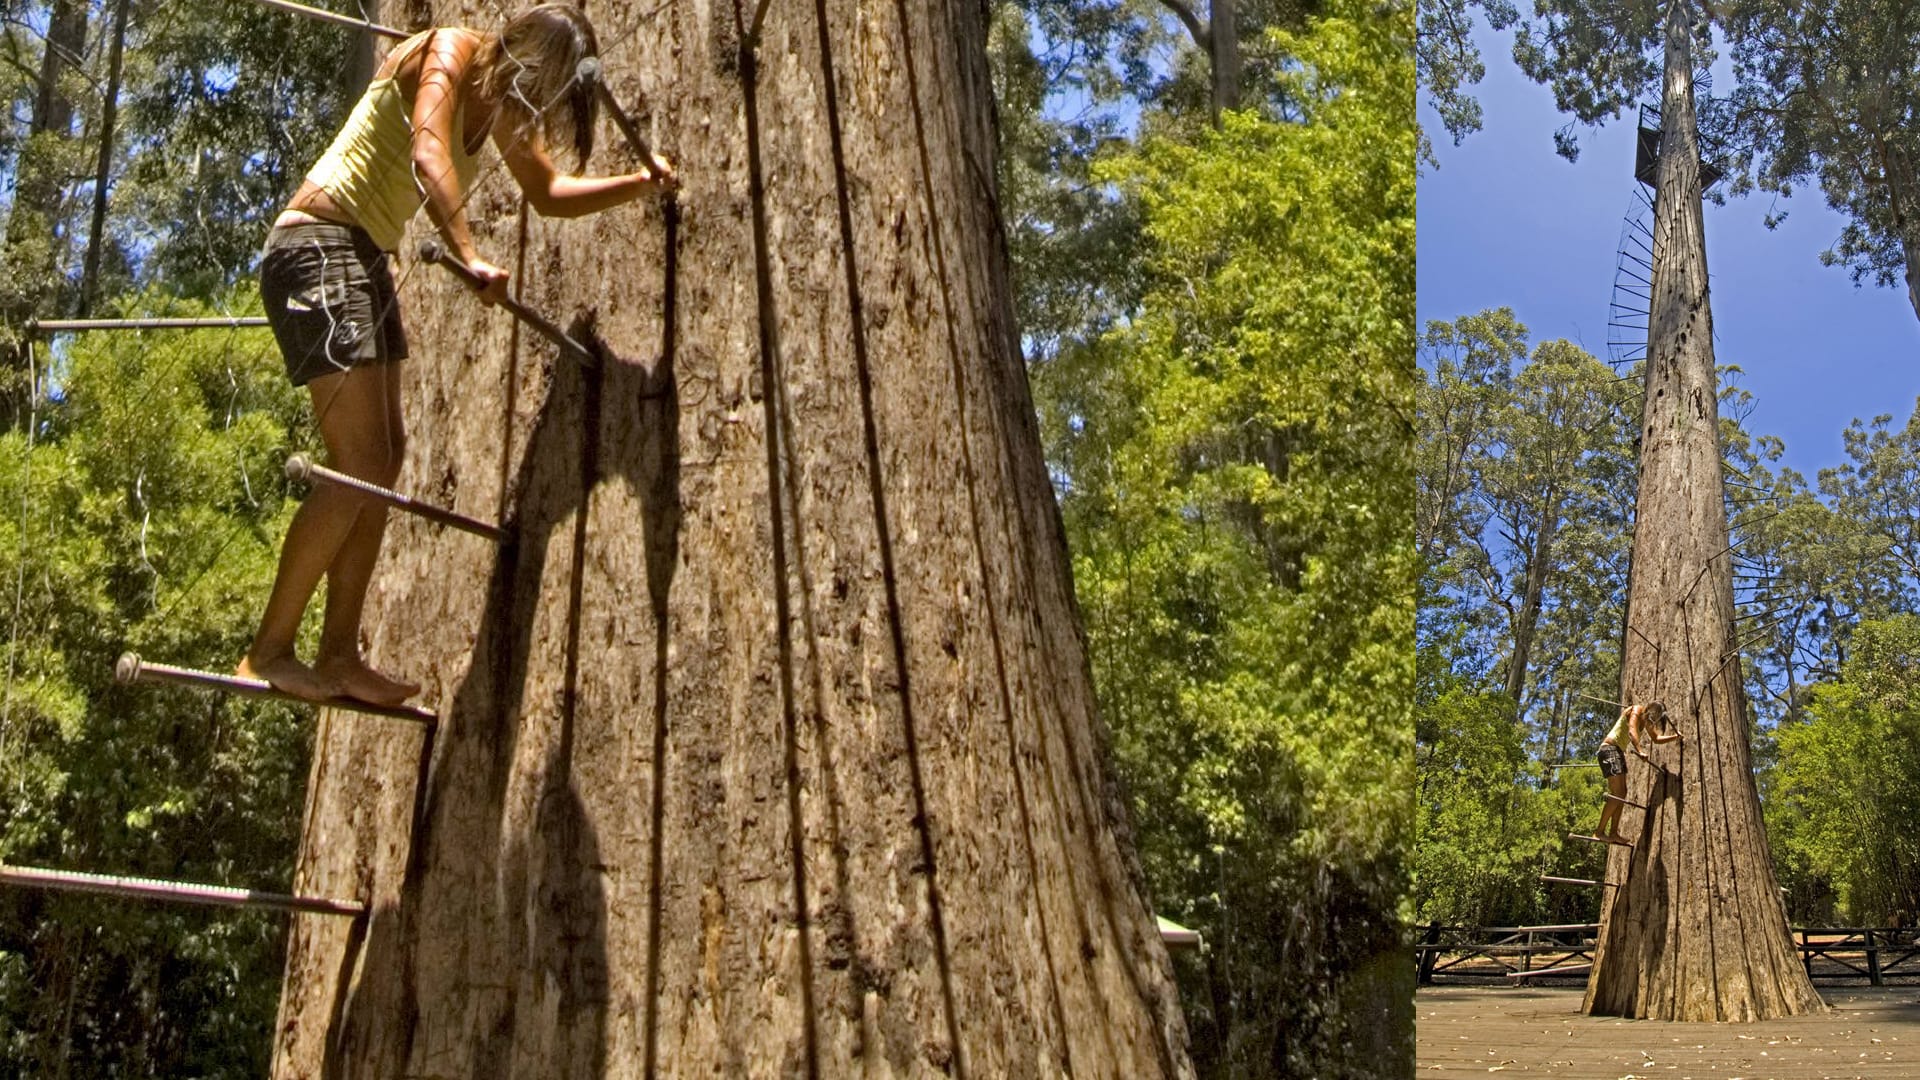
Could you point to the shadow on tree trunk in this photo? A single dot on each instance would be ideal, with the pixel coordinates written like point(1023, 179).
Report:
point(548, 900)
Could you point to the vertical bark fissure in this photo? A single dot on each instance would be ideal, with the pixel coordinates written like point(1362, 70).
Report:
point(656, 810)
point(769, 346)
point(994, 630)
point(513, 369)
point(876, 490)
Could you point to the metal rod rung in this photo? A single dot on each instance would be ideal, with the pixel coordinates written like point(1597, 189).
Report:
point(179, 892)
point(301, 467)
point(1576, 881)
point(1568, 969)
point(1620, 799)
point(333, 17)
point(131, 669)
point(1577, 765)
point(1598, 839)
point(226, 322)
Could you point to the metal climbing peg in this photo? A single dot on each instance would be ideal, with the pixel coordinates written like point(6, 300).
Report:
point(130, 670)
point(301, 468)
point(433, 251)
point(179, 892)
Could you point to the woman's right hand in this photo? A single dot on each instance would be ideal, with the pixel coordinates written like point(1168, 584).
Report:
point(493, 280)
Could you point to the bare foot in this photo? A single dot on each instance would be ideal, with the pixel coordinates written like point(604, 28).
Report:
point(1616, 838)
point(288, 675)
point(356, 680)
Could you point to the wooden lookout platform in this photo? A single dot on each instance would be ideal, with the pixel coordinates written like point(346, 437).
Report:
point(1870, 1033)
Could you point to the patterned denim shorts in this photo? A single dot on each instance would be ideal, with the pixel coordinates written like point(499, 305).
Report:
point(328, 292)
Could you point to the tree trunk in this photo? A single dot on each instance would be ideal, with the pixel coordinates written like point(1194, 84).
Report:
point(30, 256)
point(109, 114)
point(767, 745)
point(1224, 33)
point(1539, 563)
point(1697, 929)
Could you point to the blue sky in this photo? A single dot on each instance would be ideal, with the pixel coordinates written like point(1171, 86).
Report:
point(1504, 221)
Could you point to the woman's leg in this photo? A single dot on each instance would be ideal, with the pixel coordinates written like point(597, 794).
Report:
point(352, 416)
point(1610, 817)
point(352, 567)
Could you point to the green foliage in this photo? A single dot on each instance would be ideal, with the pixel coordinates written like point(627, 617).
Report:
point(1450, 62)
point(222, 108)
point(1848, 789)
point(1827, 94)
point(1491, 819)
point(1233, 459)
point(1525, 484)
point(1525, 469)
point(142, 511)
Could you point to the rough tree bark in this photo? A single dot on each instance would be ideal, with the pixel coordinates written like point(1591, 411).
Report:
point(768, 745)
point(1696, 929)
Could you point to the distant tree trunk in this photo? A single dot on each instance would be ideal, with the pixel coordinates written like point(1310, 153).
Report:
point(1539, 564)
point(767, 747)
point(1225, 27)
point(1219, 38)
point(109, 114)
point(1697, 929)
point(30, 257)
point(368, 50)
point(1903, 195)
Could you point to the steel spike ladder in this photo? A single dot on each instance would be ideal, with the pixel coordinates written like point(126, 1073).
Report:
point(179, 892)
point(1576, 881)
point(131, 670)
point(301, 468)
point(71, 326)
point(1598, 839)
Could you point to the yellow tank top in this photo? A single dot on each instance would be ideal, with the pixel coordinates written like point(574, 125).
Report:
point(1617, 736)
point(368, 171)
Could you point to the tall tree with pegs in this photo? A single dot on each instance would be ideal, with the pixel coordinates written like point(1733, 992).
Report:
point(766, 738)
point(1696, 929)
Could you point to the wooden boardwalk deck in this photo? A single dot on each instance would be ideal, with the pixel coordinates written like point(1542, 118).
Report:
point(1870, 1033)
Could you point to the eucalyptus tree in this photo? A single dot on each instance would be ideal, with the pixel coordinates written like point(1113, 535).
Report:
point(1695, 928)
point(769, 745)
point(1525, 468)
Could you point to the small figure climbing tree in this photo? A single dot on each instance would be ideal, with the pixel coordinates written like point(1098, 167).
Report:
point(766, 741)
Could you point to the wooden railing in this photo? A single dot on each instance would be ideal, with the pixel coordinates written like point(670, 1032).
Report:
point(1523, 953)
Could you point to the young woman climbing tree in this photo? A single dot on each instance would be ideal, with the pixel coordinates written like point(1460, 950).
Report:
point(328, 288)
point(1636, 722)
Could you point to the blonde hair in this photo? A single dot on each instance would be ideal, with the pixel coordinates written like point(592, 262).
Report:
point(532, 67)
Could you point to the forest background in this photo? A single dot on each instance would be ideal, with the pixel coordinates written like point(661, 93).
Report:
point(1210, 215)
point(1526, 486)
